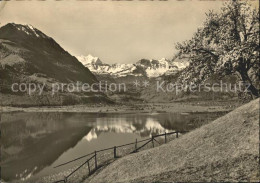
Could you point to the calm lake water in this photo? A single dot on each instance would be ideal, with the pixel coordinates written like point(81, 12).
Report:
point(33, 143)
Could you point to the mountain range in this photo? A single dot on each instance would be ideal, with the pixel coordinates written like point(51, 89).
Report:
point(150, 68)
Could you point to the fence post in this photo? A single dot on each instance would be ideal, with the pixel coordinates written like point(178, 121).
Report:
point(95, 159)
point(115, 152)
point(135, 145)
point(177, 135)
point(165, 139)
point(152, 141)
point(88, 168)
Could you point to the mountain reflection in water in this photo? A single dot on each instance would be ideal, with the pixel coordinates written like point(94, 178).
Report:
point(124, 125)
point(32, 143)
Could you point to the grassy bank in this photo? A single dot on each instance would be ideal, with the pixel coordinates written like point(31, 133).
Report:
point(225, 150)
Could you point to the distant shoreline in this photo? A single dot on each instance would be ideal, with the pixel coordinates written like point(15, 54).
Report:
point(178, 107)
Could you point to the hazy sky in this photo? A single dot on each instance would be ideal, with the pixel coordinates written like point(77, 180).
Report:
point(117, 32)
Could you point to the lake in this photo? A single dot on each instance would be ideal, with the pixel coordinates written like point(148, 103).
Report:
point(33, 143)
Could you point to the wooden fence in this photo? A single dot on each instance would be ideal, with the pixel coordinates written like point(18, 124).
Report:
point(115, 150)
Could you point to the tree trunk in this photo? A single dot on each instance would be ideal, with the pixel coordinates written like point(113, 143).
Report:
point(247, 81)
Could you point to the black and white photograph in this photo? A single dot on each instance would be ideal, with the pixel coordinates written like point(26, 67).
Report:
point(129, 91)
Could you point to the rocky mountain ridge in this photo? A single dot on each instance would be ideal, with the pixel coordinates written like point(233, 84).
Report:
point(27, 55)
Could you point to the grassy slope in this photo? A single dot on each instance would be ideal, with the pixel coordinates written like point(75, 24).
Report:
point(224, 150)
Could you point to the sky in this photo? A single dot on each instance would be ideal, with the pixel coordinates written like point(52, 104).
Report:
point(114, 31)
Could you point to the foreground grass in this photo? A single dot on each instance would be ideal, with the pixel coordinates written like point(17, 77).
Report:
point(225, 150)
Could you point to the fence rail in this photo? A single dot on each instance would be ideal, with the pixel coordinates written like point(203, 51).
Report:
point(115, 153)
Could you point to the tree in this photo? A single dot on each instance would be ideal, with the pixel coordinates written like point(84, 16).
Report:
point(228, 41)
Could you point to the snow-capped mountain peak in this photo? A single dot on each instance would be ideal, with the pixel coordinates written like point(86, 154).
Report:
point(29, 30)
point(144, 67)
point(33, 30)
point(85, 60)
